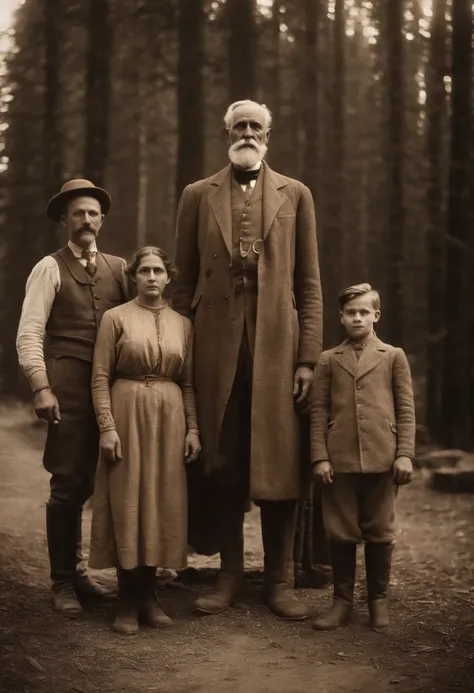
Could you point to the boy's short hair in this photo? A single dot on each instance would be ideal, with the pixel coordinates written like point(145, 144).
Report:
point(359, 290)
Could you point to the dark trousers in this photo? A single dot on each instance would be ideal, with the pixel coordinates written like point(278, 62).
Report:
point(72, 445)
point(231, 484)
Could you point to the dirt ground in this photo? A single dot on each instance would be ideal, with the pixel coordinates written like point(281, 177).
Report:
point(429, 647)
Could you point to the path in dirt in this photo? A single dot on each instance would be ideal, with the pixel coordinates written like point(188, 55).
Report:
point(429, 647)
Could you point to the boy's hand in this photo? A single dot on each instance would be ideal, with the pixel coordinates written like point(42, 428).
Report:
point(402, 471)
point(323, 472)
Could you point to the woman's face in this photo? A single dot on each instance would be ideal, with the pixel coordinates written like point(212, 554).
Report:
point(151, 277)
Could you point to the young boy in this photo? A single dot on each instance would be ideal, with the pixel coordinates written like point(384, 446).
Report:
point(362, 446)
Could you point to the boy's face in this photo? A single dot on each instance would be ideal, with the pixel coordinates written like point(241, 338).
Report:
point(359, 316)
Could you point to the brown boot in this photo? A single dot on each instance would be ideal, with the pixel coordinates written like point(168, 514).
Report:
point(278, 534)
point(227, 587)
point(378, 563)
point(61, 527)
point(343, 558)
point(149, 610)
point(280, 599)
point(126, 621)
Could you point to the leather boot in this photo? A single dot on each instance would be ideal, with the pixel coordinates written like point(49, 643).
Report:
point(86, 588)
point(149, 610)
point(126, 621)
point(343, 558)
point(61, 531)
point(278, 534)
point(378, 563)
point(231, 508)
point(227, 587)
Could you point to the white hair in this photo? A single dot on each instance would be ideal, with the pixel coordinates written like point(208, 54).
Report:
point(246, 102)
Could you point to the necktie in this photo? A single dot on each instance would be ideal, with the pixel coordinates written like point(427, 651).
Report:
point(244, 177)
point(90, 267)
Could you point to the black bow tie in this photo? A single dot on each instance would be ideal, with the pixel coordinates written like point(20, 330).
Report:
point(244, 177)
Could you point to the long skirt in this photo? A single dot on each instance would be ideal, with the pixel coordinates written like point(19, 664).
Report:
point(140, 502)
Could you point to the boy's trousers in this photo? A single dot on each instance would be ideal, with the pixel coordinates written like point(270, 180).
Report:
point(360, 507)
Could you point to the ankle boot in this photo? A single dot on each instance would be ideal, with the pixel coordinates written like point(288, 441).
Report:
point(278, 534)
point(227, 587)
point(61, 529)
point(149, 609)
point(378, 562)
point(343, 558)
point(126, 621)
point(86, 588)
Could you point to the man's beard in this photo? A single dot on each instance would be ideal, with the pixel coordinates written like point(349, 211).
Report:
point(246, 157)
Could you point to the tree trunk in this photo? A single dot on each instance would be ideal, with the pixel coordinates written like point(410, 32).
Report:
point(310, 95)
point(190, 165)
point(333, 243)
point(394, 152)
point(98, 91)
point(52, 170)
point(436, 122)
point(242, 49)
point(458, 345)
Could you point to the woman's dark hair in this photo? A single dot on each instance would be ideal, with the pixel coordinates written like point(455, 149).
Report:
point(150, 250)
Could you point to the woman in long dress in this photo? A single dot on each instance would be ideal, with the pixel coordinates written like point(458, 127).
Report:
point(144, 399)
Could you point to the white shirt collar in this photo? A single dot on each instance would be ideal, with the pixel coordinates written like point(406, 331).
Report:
point(77, 250)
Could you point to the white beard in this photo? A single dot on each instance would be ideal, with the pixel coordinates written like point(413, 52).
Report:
point(246, 157)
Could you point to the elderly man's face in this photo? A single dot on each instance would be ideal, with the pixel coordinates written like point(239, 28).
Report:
point(248, 136)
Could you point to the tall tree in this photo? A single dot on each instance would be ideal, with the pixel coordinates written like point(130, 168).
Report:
point(98, 91)
point(333, 233)
point(436, 144)
point(310, 94)
point(242, 49)
point(458, 343)
point(394, 37)
point(190, 165)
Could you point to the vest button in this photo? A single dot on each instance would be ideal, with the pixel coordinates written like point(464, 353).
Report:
point(214, 255)
point(97, 307)
point(97, 298)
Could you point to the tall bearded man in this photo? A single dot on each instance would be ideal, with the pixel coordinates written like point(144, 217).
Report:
point(67, 294)
point(247, 257)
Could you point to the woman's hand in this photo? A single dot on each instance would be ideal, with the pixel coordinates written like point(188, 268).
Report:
point(110, 446)
point(192, 447)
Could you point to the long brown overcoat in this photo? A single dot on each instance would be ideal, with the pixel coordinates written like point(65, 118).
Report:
point(289, 319)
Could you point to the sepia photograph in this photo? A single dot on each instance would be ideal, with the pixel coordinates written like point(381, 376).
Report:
point(236, 346)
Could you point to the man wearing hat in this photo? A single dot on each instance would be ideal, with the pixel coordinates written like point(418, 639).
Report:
point(67, 294)
point(247, 257)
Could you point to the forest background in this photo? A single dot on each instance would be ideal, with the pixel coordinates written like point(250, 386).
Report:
point(372, 106)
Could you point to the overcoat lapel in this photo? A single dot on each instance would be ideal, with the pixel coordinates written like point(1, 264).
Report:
point(272, 198)
point(220, 201)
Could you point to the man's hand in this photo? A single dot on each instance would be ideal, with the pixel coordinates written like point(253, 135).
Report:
point(402, 471)
point(302, 385)
point(110, 446)
point(192, 447)
point(46, 406)
point(323, 472)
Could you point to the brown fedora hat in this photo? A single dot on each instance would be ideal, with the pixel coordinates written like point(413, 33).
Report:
point(77, 188)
